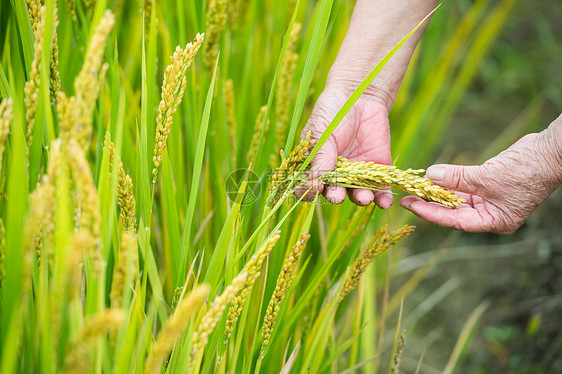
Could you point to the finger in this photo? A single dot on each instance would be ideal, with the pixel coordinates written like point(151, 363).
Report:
point(324, 160)
point(360, 196)
point(457, 177)
point(468, 219)
point(310, 189)
point(334, 194)
point(384, 199)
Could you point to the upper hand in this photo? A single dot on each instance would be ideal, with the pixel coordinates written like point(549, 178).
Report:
point(501, 193)
point(363, 135)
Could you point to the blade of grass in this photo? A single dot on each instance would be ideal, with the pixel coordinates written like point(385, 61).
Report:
point(184, 259)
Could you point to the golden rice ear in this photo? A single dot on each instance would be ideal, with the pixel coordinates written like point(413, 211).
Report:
point(78, 359)
point(173, 327)
point(256, 136)
point(380, 243)
point(215, 21)
point(284, 280)
point(212, 317)
point(374, 176)
point(252, 269)
point(173, 89)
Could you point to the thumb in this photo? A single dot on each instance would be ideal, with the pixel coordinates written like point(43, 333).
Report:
point(466, 179)
point(324, 160)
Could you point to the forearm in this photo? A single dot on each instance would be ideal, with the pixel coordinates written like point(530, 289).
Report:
point(551, 146)
point(376, 26)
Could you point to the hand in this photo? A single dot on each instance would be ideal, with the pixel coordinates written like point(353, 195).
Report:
point(502, 192)
point(363, 135)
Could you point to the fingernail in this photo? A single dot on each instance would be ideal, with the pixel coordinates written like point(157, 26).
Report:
point(436, 173)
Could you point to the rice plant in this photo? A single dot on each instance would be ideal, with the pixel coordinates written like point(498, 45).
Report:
point(128, 244)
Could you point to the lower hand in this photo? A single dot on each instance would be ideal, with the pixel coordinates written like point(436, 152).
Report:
point(502, 192)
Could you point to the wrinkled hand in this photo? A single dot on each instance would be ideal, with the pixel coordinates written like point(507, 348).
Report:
point(363, 135)
point(502, 192)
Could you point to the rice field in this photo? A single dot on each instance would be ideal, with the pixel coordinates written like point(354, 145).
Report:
point(148, 154)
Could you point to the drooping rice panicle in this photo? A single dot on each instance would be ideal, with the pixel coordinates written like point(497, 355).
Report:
point(252, 269)
point(34, 11)
point(78, 359)
point(40, 219)
point(81, 241)
point(71, 6)
point(374, 176)
point(213, 316)
point(86, 203)
point(363, 175)
point(55, 82)
point(127, 261)
point(174, 325)
point(125, 197)
point(176, 298)
point(253, 149)
point(398, 354)
point(233, 13)
point(284, 280)
point(85, 85)
point(173, 89)
point(215, 20)
point(90, 5)
point(229, 102)
point(6, 116)
point(284, 91)
point(288, 169)
point(147, 14)
point(31, 88)
point(380, 242)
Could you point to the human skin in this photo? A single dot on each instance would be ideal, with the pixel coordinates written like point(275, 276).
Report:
point(500, 194)
point(376, 27)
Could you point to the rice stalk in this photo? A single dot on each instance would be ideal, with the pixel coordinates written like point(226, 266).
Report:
point(86, 84)
point(173, 89)
point(212, 317)
point(374, 176)
point(380, 242)
point(252, 269)
point(284, 280)
point(78, 358)
point(284, 91)
point(229, 102)
point(252, 151)
point(37, 14)
point(125, 197)
point(215, 21)
point(6, 116)
point(127, 261)
point(174, 325)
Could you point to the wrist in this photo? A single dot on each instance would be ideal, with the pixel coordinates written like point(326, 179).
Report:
point(382, 90)
point(551, 142)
